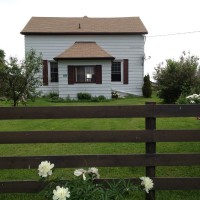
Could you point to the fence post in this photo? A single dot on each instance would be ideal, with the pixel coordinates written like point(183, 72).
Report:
point(150, 124)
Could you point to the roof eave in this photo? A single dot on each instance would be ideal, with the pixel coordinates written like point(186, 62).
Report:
point(83, 33)
point(84, 58)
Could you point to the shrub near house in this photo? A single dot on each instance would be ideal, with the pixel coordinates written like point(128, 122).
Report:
point(178, 78)
point(146, 89)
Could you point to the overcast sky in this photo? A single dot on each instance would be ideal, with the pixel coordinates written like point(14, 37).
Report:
point(161, 17)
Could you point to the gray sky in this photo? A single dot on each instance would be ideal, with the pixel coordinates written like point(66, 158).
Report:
point(161, 17)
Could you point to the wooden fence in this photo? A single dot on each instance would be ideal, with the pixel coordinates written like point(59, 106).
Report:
point(150, 136)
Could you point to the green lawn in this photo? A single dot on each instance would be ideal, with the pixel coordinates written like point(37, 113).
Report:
point(137, 100)
point(88, 148)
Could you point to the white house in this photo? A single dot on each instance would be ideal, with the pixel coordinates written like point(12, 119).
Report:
point(92, 55)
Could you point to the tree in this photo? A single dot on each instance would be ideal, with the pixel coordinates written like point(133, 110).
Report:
point(146, 89)
point(177, 77)
point(2, 65)
point(2, 56)
point(20, 78)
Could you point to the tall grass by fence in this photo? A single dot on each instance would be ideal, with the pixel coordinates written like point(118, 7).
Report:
point(150, 136)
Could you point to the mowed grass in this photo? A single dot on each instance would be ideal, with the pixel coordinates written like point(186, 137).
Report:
point(130, 100)
point(100, 148)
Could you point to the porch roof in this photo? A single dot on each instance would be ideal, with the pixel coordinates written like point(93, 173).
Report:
point(84, 50)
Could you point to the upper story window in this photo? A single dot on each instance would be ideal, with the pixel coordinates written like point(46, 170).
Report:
point(116, 71)
point(54, 71)
point(85, 74)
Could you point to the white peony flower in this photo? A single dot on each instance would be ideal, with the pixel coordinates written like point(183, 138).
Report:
point(61, 193)
point(190, 97)
point(147, 183)
point(79, 172)
point(195, 95)
point(45, 168)
point(194, 99)
point(94, 170)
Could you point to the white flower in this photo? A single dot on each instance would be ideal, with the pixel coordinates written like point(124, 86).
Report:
point(147, 183)
point(195, 95)
point(61, 193)
point(79, 172)
point(94, 170)
point(45, 168)
point(194, 98)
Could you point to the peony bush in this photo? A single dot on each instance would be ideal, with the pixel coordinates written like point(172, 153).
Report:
point(83, 187)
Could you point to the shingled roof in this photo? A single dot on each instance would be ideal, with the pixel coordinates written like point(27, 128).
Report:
point(83, 25)
point(84, 50)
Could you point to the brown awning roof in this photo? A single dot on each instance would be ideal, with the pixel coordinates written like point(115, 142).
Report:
point(84, 50)
point(84, 25)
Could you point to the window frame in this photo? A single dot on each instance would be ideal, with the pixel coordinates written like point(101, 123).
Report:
point(54, 76)
point(86, 80)
point(116, 61)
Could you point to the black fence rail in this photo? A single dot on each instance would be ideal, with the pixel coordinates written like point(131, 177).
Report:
point(150, 136)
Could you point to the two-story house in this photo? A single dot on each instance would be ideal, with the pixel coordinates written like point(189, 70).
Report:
point(92, 55)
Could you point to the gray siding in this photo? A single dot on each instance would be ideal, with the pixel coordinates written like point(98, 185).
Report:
point(94, 89)
point(129, 47)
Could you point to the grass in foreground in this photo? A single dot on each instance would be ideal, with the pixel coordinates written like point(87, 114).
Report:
point(122, 148)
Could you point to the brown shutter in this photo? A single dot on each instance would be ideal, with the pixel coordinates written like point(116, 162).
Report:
point(45, 72)
point(98, 74)
point(71, 75)
point(125, 81)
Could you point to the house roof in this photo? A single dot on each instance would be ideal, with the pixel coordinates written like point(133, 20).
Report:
point(84, 50)
point(83, 25)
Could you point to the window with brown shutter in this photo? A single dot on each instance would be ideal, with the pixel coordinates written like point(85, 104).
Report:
point(45, 72)
point(116, 71)
point(85, 74)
